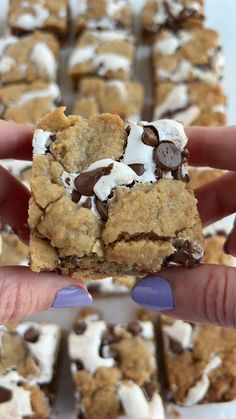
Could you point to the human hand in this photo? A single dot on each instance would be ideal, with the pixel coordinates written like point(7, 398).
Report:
point(23, 292)
point(206, 294)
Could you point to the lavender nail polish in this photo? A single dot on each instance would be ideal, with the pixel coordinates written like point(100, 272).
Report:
point(155, 293)
point(72, 297)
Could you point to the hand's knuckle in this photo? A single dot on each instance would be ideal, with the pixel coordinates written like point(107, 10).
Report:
point(216, 297)
point(15, 299)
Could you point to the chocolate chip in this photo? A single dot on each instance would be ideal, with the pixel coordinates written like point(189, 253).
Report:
point(134, 328)
point(53, 137)
point(109, 336)
point(167, 156)
point(67, 180)
point(159, 173)
point(149, 390)
point(31, 335)
point(86, 181)
point(87, 203)
point(75, 196)
point(5, 394)
point(150, 136)
point(139, 169)
point(175, 346)
point(80, 327)
point(178, 174)
point(102, 210)
point(79, 365)
point(182, 258)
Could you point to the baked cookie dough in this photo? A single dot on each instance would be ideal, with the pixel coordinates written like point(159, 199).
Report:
point(101, 14)
point(109, 200)
point(195, 103)
point(114, 368)
point(29, 58)
point(26, 16)
point(107, 54)
point(27, 369)
point(173, 14)
point(28, 103)
point(96, 96)
point(199, 362)
point(188, 55)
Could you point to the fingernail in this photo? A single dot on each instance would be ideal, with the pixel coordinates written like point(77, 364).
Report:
point(72, 297)
point(154, 292)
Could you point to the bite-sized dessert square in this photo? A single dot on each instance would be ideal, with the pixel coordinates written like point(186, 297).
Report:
point(188, 55)
point(199, 362)
point(123, 98)
point(214, 251)
point(107, 54)
point(27, 371)
point(109, 199)
point(114, 368)
point(194, 103)
point(173, 14)
point(28, 103)
point(111, 286)
point(101, 14)
point(29, 58)
point(26, 16)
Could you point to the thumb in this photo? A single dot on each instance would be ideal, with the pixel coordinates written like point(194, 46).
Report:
point(23, 292)
point(206, 294)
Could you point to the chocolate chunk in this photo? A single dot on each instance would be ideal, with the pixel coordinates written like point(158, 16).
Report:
point(139, 169)
point(178, 174)
point(150, 136)
point(67, 180)
point(75, 196)
point(79, 365)
point(53, 137)
point(149, 390)
point(5, 394)
point(31, 335)
point(86, 181)
point(80, 327)
point(175, 347)
point(159, 173)
point(109, 336)
point(182, 258)
point(102, 210)
point(134, 328)
point(167, 156)
point(87, 203)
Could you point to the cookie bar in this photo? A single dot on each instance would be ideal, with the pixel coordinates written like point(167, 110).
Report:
point(110, 200)
point(214, 251)
point(28, 103)
point(96, 96)
point(114, 369)
point(26, 16)
point(195, 103)
point(28, 361)
point(102, 14)
point(111, 286)
point(30, 58)
point(188, 55)
point(173, 14)
point(108, 54)
point(199, 362)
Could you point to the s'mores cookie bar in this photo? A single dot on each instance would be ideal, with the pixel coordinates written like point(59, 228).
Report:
point(27, 59)
point(111, 286)
point(28, 103)
point(195, 103)
point(199, 362)
point(107, 54)
point(101, 14)
point(214, 251)
point(97, 96)
point(14, 251)
point(173, 14)
point(26, 16)
point(114, 369)
point(188, 55)
point(27, 370)
point(109, 200)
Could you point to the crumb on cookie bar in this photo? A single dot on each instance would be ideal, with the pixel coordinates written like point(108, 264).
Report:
point(114, 368)
point(107, 54)
point(29, 58)
point(97, 96)
point(194, 103)
point(109, 200)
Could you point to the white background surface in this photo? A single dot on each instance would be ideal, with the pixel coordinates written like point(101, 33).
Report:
point(221, 15)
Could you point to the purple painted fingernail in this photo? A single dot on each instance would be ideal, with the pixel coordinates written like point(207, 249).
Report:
point(72, 297)
point(154, 292)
